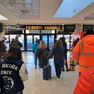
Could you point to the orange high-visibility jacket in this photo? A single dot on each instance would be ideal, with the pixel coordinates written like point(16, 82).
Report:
point(84, 52)
point(85, 84)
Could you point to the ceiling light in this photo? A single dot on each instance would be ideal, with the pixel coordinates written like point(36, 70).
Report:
point(2, 17)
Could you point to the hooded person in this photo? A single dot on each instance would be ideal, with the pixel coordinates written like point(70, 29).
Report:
point(84, 51)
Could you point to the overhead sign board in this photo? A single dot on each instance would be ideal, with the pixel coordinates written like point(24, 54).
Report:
point(43, 27)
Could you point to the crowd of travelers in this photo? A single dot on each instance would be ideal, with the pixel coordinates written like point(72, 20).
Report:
point(59, 52)
point(13, 69)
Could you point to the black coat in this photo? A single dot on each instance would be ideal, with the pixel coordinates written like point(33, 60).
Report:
point(42, 55)
point(58, 54)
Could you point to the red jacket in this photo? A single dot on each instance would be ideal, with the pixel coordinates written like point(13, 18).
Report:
point(85, 83)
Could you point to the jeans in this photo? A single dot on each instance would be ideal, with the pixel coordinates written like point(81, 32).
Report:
point(58, 69)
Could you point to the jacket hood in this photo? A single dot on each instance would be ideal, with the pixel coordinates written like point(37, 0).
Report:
point(89, 39)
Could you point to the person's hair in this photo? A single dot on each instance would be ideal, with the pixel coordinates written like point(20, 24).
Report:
point(63, 40)
point(42, 45)
point(77, 39)
point(58, 43)
point(89, 32)
point(15, 51)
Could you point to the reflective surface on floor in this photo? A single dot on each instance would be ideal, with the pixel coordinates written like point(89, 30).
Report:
point(36, 85)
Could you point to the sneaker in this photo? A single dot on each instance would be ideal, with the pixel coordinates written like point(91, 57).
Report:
point(54, 77)
point(67, 70)
point(58, 79)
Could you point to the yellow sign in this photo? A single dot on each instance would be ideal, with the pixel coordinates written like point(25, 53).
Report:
point(33, 27)
point(52, 27)
point(44, 27)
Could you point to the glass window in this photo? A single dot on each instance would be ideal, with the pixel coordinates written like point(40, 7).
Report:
point(44, 38)
point(71, 40)
point(67, 37)
point(7, 42)
point(29, 42)
point(21, 39)
point(36, 37)
point(32, 31)
point(51, 41)
point(47, 31)
point(12, 37)
point(59, 36)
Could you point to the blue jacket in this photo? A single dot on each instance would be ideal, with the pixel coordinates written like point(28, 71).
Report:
point(35, 47)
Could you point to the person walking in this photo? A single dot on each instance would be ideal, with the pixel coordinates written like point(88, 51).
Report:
point(35, 48)
point(42, 54)
point(65, 53)
point(84, 51)
point(59, 57)
point(13, 72)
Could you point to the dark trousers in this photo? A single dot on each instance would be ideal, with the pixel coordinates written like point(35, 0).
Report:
point(58, 69)
point(65, 64)
point(35, 60)
point(66, 67)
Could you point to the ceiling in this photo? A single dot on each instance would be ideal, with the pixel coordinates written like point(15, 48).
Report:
point(42, 12)
point(90, 17)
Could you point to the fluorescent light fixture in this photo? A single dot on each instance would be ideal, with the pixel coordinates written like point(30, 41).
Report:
point(70, 8)
point(2, 17)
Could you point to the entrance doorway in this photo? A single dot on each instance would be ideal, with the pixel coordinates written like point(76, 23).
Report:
point(30, 40)
point(68, 38)
point(49, 40)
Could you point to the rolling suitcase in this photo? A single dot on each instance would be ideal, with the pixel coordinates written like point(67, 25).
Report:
point(47, 72)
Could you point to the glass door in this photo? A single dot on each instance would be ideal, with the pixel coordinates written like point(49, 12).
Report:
point(71, 40)
point(29, 42)
point(51, 41)
point(45, 39)
point(12, 37)
point(21, 39)
point(59, 36)
point(67, 39)
point(36, 37)
point(7, 42)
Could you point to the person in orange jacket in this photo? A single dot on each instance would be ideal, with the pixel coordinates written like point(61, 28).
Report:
point(84, 51)
point(85, 84)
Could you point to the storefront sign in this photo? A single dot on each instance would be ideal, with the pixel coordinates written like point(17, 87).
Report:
point(44, 27)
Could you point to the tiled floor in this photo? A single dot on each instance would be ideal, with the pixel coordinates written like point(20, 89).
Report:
point(36, 85)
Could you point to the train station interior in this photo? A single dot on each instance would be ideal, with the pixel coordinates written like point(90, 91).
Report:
point(46, 20)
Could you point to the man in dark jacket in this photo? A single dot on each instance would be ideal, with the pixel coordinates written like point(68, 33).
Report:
point(65, 53)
